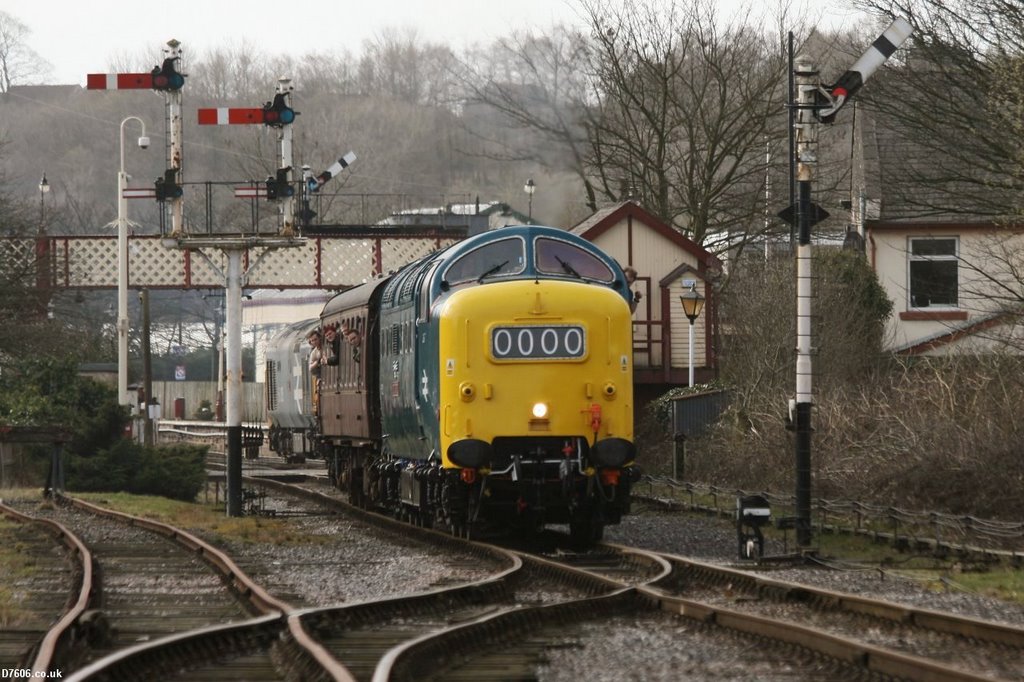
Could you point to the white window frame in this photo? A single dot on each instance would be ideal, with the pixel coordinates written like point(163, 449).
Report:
point(954, 258)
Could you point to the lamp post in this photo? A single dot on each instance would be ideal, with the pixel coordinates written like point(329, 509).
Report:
point(693, 303)
point(44, 189)
point(529, 188)
point(43, 255)
point(122, 268)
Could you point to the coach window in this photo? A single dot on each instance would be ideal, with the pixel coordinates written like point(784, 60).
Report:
point(933, 272)
point(503, 257)
point(556, 257)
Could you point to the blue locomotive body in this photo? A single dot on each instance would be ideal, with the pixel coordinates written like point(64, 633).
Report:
point(488, 382)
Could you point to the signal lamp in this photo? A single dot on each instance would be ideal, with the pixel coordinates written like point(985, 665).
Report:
point(166, 77)
point(284, 188)
point(278, 113)
point(278, 186)
point(167, 187)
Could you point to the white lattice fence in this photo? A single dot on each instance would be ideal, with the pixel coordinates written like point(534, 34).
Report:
point(395, 253)
point(318, 262)
point(347, 262)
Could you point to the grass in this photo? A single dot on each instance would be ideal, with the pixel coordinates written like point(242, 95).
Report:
point(15, 565)
point(991, 579)
point(206, 518)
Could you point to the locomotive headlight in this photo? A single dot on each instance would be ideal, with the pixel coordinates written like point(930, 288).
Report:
point(540, 410)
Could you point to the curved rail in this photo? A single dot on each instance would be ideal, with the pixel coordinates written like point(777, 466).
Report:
point(997, 633)
point(401, 662)
point(873, 658)
point(854, 652)
point(59, 632)
point(263, 601)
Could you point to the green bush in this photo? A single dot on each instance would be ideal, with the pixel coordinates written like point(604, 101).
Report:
point(46, 392)
point(174, 471)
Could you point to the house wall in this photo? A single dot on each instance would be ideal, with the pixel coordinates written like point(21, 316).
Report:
point(654, 257)
point(986, 260)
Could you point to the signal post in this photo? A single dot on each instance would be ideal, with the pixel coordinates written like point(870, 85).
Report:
point(277, 114)
point(815, 105)
point(168, 189)
point(279, 187)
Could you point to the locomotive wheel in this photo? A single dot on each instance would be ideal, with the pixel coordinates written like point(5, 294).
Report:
point(586, 531)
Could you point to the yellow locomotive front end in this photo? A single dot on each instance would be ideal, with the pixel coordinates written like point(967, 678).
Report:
point(536, 399)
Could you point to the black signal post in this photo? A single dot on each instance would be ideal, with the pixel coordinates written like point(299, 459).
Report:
point(814, 105)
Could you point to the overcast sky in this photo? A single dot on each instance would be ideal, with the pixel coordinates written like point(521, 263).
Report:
point(89, 37)
point(86, 39)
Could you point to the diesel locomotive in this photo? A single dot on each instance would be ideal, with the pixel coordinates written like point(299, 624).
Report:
point(487, 384)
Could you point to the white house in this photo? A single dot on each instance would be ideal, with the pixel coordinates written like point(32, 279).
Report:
point(956, 280)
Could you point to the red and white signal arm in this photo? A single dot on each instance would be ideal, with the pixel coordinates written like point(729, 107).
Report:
point(119, 81)
point(139, 193)
point(222, 116)
point(251, 192)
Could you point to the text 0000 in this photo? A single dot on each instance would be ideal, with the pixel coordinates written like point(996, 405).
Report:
point(538, 343)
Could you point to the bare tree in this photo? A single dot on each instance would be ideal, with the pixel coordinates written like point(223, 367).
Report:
point(19, 63)
point(397, 65)
point(687, 108)
point(659, 103)
point(956, 99)
point(525, 100)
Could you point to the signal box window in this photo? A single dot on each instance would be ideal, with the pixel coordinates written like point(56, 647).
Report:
point(556, 257)
point(933, 273)
point(503, 257)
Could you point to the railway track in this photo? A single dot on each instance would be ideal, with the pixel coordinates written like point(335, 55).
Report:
point(534, 612)
point(164, 603)
point(886, 638)
point(858, 636)
point(53, 567)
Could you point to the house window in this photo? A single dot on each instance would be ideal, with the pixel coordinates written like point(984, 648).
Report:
point(933, 272)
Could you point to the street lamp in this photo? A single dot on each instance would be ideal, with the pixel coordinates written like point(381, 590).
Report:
point(529, 188)
point(44, 189)
point(122, 267)
point(693, 303)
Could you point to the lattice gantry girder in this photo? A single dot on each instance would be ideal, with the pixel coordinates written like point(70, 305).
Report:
point(317, 262)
